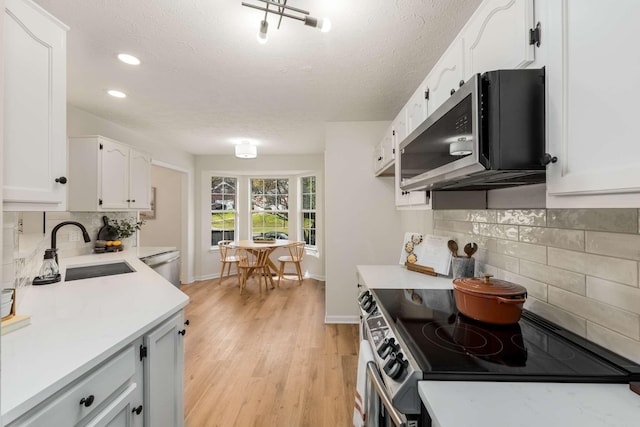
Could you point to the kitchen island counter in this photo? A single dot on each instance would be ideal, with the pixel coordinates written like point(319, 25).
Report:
point(77, 325)
point(517, 404)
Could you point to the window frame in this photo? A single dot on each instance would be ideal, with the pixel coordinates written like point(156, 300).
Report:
point(235, 209)
point(252, 211)
point(302, 211)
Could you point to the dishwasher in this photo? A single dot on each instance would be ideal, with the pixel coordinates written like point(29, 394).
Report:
point(166, 264)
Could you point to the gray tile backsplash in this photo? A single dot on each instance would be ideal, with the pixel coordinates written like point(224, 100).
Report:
point(581, 267)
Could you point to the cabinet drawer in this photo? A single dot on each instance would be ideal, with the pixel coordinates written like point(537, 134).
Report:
point(67, 409)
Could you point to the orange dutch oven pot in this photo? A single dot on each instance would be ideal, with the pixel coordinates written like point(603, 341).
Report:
point(489, 300)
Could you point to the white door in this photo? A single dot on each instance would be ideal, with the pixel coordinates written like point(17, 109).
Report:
point(417, 108)
point(139, 180)
point(592, 78)
point(121, 412)
point(164, 373)
point(445, 76)
point(114, 177)
point(35, 143)
point(497, 36)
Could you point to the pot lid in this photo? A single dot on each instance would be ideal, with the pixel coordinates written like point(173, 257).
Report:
point(488, 286)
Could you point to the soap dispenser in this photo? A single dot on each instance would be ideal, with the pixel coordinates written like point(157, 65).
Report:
point(49, 272)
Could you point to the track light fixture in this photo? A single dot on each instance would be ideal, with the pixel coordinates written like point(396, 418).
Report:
point(280, 8)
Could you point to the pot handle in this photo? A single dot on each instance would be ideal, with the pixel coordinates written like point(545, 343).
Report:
point(502, 300)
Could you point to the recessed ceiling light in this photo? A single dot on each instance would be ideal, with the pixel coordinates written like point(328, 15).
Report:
point(128, 59)
point(117, 93)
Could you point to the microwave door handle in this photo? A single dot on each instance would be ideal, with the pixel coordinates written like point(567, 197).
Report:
point(372, 373)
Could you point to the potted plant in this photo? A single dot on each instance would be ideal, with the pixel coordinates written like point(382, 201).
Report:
point(124, 228)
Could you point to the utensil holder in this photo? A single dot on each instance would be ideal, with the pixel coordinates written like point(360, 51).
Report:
point(463, 267)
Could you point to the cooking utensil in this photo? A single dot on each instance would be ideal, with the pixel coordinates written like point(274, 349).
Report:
point(453, 247)
point(470, 249)
point(105, 231)
point(491, 301)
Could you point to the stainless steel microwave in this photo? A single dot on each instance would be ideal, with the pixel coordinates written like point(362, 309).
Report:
point(489, 134)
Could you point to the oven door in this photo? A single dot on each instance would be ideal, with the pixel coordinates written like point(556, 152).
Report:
point(380, 411)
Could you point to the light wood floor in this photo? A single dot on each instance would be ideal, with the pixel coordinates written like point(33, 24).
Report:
point(266, 360)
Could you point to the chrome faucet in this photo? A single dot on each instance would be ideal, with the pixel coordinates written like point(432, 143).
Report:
point(54, 232)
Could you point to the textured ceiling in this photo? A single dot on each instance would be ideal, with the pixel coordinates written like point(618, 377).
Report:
point(206, 83)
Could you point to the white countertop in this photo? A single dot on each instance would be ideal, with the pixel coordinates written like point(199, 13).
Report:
point(398, 277)
point(512, 404)
point(77, 325)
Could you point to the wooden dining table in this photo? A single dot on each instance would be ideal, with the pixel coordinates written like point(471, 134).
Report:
point(272, 245)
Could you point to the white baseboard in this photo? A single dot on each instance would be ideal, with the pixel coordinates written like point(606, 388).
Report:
point(207, 277)
point(342, 319)
point(316, 277)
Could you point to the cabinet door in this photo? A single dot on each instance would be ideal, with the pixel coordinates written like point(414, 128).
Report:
point(592, 78)
point(114, 179)
point(497, 36)
point(121, 412)
point(417, 108)
point(384, 155)
point(405, 199)
point(399, 125)
point(445, 76)
point(163, 375)
point(139, 180)
point(34, 109)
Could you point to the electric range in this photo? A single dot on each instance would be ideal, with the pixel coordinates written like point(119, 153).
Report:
point(420, 335)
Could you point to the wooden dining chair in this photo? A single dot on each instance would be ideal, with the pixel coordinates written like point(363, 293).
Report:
point(254, 261)
point(228, 257)
point(296, 253)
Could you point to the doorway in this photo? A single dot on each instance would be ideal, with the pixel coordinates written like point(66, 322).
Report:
point(165, 227)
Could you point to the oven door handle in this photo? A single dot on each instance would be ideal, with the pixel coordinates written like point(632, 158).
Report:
point(372, 372)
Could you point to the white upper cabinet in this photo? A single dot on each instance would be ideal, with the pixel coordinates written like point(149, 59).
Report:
point(445, 76)
point(35, 151)
point(400, 130)
point(384, 155)
point(114, 180)
point(592, 78)
point(107, 175)
point(498, 36)
point(417, 108)
point(139, 180)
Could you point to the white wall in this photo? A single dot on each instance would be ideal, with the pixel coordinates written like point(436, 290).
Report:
point(166, 228)
point(362, 225)
point(80, 122)
point(208, 260)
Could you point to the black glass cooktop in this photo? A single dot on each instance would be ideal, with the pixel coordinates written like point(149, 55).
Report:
point(450, 346)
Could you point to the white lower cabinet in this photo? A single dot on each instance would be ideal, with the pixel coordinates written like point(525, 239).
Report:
point(164, 374)
point(142, 385)
point(121, 412)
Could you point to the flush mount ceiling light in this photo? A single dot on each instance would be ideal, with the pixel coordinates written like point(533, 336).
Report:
point(117, 93)
point(246, 150)
point(280, 8)
point(128, 59)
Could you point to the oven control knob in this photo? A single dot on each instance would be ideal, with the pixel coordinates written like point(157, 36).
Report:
point(395, 367)
point(371, 308)
point(367, 304)
point(387, 346)
point(364, 295)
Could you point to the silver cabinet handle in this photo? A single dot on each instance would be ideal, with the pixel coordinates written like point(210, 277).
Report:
point(373, 375)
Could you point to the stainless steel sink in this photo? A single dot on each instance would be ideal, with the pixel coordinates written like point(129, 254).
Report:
point(97, 270)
